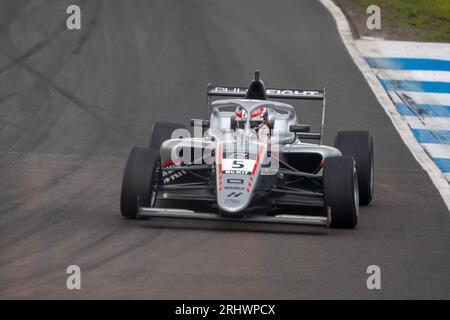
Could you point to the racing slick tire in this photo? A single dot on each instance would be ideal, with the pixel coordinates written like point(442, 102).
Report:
point(340, 188)
point(140, 181)
point(359, 144)
point(162, 131)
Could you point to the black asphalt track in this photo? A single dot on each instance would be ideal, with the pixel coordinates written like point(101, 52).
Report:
point(72, 103)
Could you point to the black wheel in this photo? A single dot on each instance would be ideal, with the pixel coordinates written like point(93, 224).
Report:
point(140, 181)
point(162, 131)
point(340, 187)
point(359, 144)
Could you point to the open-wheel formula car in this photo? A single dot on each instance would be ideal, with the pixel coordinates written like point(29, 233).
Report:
point(249, 162)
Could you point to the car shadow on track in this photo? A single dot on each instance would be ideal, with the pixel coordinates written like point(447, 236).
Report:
point(230, 226)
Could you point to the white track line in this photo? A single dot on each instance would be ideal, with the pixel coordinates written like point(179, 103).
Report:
point(413, 75)
point(428, 123)
point(437, 150)
point(437, 177)
point(438, 99)
point(403, 49)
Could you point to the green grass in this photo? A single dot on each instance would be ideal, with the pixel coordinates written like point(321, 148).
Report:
point(431, 17)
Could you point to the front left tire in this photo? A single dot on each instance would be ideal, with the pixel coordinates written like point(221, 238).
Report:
point(359, 145)
point(340, 188)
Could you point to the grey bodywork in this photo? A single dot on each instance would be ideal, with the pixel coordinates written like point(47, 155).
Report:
point(245, 147)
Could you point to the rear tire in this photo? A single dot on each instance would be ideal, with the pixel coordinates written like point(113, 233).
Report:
point(162, 131)
point(140, 180)
point(340, 187)
point(359, 145)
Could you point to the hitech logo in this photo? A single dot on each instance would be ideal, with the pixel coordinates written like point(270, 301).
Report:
point(234, 194)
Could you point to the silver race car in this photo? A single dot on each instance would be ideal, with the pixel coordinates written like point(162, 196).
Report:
point(249, 162)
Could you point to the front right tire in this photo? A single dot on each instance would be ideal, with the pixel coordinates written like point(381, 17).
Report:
point(140, 181)
point(162, 131)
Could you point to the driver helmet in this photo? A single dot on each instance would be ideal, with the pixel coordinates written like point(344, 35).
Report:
point(258, 117)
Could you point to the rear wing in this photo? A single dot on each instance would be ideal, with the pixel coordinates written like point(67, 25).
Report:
point(221, 91)
point(298, 94)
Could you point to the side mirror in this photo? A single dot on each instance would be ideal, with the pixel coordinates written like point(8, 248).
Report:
point(204, 123)
point(272, 124)
point(309, 135)
point(300, 128)
point(233, 122)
